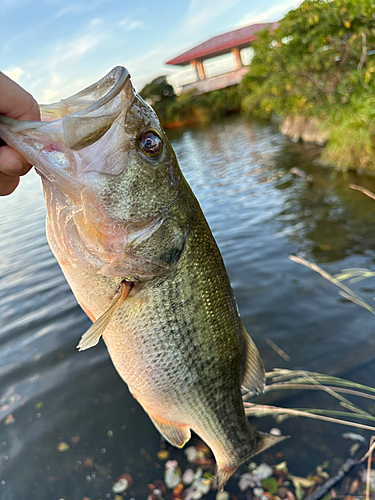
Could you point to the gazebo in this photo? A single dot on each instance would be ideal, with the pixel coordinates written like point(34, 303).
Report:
point(231, 42)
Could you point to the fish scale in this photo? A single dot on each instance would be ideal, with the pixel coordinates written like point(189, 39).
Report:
point(140, 258)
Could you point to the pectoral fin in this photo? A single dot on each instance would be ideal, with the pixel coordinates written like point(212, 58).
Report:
point(93, 334)
point(176, 434)
point(254, 376)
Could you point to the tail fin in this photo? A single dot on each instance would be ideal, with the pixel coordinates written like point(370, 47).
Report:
point(224, 472)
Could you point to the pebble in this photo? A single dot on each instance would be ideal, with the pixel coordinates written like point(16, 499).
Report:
point(162, 454)
point(247, 480)
point(120, 486)
point(201, 486)
point(63, 447)
point(188, 476)
point(263, 471)
point(275, 431)
point(371, 478)
point(88, 463)
point(9, 419)
point(172, 475)
point(191, 453)
point(258, 492)
point(222, 495)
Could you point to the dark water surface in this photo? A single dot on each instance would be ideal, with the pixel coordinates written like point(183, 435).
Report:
point(259, 214)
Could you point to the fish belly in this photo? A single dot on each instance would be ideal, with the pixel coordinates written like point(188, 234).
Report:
point(178, 385)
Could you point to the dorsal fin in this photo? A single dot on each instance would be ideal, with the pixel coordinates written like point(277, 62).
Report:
point(254, 376)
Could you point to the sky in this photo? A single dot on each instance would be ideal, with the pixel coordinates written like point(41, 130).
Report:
point(54, 48)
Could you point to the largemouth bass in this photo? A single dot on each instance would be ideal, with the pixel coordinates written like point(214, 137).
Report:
point(136, 250)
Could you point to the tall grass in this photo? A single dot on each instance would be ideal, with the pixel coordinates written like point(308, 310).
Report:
point(351, 130)
point(281, 380)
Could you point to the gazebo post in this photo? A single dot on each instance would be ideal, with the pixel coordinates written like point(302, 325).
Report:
point(237, 57)
point(193, 64)
point(201, 73)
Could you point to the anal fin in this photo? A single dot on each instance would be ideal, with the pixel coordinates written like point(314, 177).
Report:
point(176, 434)
point(254, 376)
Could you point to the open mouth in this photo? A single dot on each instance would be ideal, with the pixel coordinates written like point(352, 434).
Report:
point(70, 125)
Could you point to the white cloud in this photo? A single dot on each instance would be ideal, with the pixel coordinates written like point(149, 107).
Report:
point(78, 47)
point(14, 73)
point(77, 8)
point(136, 24)
point(201, 13)
point(96, 21)
point(273, 14)
point(53, 91)
point(61, 66)
point(130, 25)
point(71, 9)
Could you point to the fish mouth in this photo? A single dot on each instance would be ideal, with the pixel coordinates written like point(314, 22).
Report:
point(58, 145)
point(80, 139)
point(89, 100)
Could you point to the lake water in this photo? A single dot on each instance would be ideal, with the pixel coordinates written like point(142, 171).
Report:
point(259, 214)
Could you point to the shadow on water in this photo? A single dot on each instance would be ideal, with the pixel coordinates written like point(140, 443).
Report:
point(52, 396)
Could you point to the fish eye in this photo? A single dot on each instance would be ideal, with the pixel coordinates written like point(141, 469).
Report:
point(150, 144)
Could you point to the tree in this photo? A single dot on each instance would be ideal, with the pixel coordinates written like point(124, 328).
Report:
point(320, 62)
point(157, 90)
point(317, 56)
point(160, 95)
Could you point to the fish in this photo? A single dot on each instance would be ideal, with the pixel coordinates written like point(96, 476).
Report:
point(139, 256)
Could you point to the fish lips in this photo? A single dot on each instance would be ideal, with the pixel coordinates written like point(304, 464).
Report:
point(58, 146)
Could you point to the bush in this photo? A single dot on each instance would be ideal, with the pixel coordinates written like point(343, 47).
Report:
point(316, 63)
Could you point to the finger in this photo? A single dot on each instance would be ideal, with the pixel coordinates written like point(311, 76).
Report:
point(8, 184)
point(12, 164)
point(16, 102)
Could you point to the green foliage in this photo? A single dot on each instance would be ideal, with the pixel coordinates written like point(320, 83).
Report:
point(157, 90)
point(313, 59)
point(316, 64)
point(159, 93)
point(352, 131)
point(189, 107)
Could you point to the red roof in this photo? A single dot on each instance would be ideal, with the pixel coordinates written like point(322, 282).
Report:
point(221, 44)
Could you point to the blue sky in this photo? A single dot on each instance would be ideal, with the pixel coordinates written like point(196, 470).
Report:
point(54, 48)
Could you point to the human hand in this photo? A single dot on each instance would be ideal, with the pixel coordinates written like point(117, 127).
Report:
point(16, 103)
